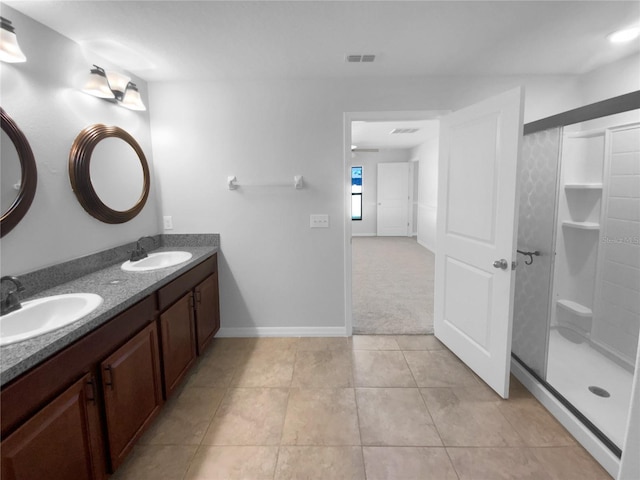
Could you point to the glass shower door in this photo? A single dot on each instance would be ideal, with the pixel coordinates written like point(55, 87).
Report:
point(538, 178)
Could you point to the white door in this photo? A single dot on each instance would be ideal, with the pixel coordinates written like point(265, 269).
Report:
point(477, 226)
point(393, 199)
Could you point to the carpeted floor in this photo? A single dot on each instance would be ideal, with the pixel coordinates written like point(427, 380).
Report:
point(392, 290)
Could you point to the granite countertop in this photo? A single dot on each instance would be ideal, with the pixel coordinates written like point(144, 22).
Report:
point(118, 288)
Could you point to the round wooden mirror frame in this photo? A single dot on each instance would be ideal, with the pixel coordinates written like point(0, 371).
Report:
point(28, 181)
point(79, 173)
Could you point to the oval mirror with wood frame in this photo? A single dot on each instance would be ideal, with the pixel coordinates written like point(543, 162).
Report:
point(83, 153)
point(25, 184)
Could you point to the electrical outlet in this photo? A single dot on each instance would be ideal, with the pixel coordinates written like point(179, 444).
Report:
point(168, 222)
point(319, 221)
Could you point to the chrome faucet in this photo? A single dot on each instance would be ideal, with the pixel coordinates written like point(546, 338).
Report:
point(11, 303)
point(139, 253)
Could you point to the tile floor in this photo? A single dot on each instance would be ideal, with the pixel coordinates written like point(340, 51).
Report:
point(367, 407)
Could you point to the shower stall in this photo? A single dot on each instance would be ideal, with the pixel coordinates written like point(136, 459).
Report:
point(577, 295)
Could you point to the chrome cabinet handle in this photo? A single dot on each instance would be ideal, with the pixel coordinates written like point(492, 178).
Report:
point(502, 263)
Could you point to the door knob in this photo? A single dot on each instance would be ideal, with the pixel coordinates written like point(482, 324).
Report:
point(502, 263)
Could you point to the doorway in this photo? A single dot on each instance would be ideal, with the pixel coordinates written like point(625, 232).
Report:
point(389, 275)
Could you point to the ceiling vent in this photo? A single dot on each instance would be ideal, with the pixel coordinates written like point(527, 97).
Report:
point(360, 58)
point(404, 130)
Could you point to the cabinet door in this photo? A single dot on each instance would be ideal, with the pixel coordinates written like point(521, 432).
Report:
point(62, 441)
point(207, 310)
point(178, 341)
point(132, 391)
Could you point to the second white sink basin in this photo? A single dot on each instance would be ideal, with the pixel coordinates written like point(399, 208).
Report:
point(37, 317)
point(156, 261)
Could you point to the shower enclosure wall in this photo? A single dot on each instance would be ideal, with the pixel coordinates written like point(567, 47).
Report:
point(577, 295)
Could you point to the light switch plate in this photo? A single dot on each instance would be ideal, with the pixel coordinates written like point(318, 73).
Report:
point(319, 221)
point(168, 222)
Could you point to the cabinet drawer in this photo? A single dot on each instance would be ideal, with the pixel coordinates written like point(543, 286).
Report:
point(168, 294)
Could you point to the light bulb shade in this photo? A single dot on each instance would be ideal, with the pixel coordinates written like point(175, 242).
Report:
point(132, 99)
point(97, 84)
point(624, 36)
point(10, 51)
point(118, 83)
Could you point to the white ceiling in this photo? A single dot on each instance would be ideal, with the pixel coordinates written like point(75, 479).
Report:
point(208, 40)
point(378, 134)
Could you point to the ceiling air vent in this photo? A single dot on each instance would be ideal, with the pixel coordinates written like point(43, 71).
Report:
point(360, 58)
point(404, 130)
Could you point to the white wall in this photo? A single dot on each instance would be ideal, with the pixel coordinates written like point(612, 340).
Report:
point(369, 161)
point(275, 271)
point(611, 80)
point(43, 98)
point(427, 155)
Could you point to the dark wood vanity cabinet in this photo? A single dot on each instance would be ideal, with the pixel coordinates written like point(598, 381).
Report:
point(132, 389)
point(189, 318)
point(62, 441)
point(207, 310)
point(178, 341)
point(78, 414)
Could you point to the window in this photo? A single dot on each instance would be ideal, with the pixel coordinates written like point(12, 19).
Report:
point(356, 193)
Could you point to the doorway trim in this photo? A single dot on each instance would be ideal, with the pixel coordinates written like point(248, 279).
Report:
point(348, 118)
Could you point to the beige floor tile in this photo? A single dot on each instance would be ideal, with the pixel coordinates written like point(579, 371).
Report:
point(374, 342)
point(439, 368)
point(569, 463)
point(534, 423)
point(248, 416)
point(323, 369)
point(264, 367)
point(275, 343)
point(255, 343)
point(372, 368)
point(216, 368)
point(233, 343)
point(185, 419)
point(469, 417)
point(321, 417)
point(323, 343)
point(320, 463)
point(517, 390)
point(395, 417)
point(156, 462)
point(408, 463)
point(419, 342)
point(496, 464)
point(233, 463)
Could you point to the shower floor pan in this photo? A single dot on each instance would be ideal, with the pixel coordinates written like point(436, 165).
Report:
point(574, 367)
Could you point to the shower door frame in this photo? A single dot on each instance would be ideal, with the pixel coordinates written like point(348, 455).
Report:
point(611, 106)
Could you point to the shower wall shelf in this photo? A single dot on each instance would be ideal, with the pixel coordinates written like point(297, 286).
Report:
point(581, 225)
point(583, 186)
point(575, 308)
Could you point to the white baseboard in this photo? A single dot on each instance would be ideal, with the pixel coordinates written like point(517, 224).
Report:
point(282, 332)
point(364, 235)
point(425, 246)
point(582, 434)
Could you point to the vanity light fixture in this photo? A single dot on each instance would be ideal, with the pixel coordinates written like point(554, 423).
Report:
point(624, 36)
point(115, 87)
point(10, 51)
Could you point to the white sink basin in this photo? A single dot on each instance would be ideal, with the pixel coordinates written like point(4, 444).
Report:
point(156, 261)
point(43, 315)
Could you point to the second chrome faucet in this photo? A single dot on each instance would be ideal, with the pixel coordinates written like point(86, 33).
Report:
point(139, 252)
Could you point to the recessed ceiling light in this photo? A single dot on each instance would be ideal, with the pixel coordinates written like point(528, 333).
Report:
point(624, 36)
